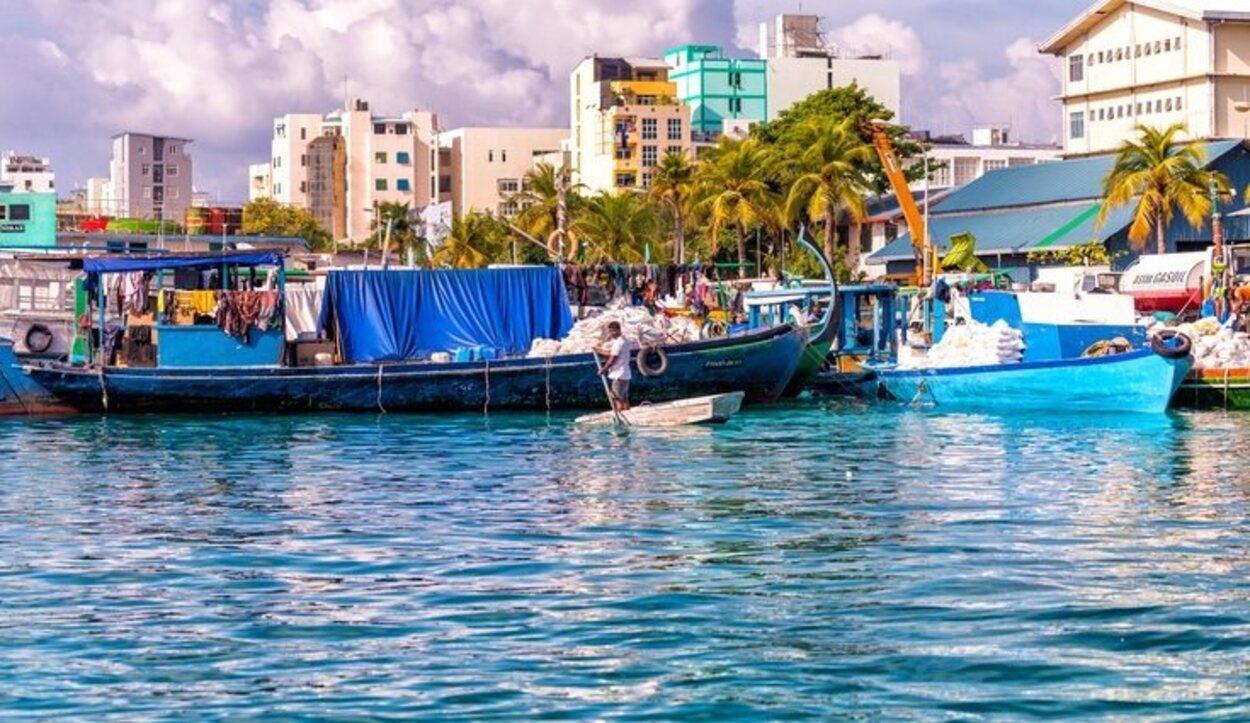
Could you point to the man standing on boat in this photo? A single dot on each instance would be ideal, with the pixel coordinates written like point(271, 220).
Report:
point(616, 366)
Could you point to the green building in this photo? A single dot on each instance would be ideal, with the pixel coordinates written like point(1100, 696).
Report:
point(27, 220)
point(718, 88)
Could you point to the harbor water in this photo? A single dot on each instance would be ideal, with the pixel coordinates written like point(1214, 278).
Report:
point(810, 560)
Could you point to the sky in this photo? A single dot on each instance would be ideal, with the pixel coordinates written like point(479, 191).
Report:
point(219, 71)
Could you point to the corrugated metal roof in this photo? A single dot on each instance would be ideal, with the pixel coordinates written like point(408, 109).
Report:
point(1017, 231)
point(1046, 183)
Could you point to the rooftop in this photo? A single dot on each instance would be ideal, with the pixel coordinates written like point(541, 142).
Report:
point(1200, 10)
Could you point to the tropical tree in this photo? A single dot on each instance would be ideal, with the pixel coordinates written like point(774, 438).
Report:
point(617, 226)
point(547, 200)
point(475, 238)
point(403, 234)
point(1161, 176)
point(732, 185)
point(827, 165)
point(265, 216)
point(672, 185)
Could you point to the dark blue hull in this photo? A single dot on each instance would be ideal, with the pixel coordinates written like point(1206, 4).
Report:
point(759, 364)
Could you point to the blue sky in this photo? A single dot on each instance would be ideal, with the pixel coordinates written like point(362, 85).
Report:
point(218, 71)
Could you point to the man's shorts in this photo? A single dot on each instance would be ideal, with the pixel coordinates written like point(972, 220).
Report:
point(620, 390)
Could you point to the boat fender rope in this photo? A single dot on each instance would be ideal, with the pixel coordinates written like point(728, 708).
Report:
point(486, 404)
point(381, 408)
point(548, 397)
point(645, 367)
point(104, 391)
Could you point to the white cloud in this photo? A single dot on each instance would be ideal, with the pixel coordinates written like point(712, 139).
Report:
point(874, 34)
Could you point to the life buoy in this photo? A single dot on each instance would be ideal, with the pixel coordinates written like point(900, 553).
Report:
point(1171, 344)
point(644, 365)
point(713, 328)
point(38, 339)
point(572, 245)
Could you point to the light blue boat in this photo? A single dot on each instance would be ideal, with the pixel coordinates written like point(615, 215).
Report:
point(1139, 381)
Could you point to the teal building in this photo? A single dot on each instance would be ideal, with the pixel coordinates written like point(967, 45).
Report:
point(718, 88)
point(27, 220)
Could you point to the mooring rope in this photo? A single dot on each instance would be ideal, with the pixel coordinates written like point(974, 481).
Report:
point(486, 404)
point(548, 366)
point(381, 408)
point(104, 392)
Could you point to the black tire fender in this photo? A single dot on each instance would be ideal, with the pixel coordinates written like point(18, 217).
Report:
point(642, 361)
point(1171, 344)
point(38, 339)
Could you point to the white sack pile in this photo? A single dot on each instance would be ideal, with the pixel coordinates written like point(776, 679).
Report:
point(637, 325)
point(1216, 346)
point(971, 344)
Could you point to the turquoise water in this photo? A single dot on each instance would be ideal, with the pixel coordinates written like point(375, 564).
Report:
point(808, 561)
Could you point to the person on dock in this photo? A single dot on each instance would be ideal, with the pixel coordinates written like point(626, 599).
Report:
point(616, 366)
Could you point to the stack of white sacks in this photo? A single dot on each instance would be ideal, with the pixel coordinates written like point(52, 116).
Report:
point(1216, 345)
point(638, 325)
point(970, 344)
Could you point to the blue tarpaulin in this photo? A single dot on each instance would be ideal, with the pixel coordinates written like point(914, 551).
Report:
point(122, 264)
point(398, 315)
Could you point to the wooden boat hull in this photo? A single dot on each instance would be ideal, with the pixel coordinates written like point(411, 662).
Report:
point(1138, 381)
point(759, 364)
point(712, 409)
point(1227, 388)
point(19, 394)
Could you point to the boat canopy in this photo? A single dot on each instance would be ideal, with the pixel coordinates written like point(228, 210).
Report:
point(124, 264)
point(405, 315)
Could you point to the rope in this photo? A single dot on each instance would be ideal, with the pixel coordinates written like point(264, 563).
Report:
point(486, 404)
point(920, 391)
point(548, 397)
point(104, 392)
point(381, 408)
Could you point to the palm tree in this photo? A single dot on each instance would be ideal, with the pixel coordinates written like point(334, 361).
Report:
point(403, 235)
point(1164, 176)
point(672, 184)
point(829, 179)
point(618, 225)
point(547, 199)
point(471, 242)
point(733, 187)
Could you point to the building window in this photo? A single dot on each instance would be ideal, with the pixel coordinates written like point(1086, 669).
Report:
point(19, 212)
point(1158, 47)
point(1178, 102)
point(401, 129)
point(279, 130)
point(379, 157)
point(1176, 44)
point(379, 129)
point(147, 191)
point(402, 158)
point(508, 186)
point(623, 153)
point(674, 129)
point(1076, 125)
point(673, 149)
point(1159, 106)
point(1119, 111)
point(966, 170)
point(171, 171)
point(1168, 105)
point(1138, 108)
point(303, 187)
point(650, 129)
point(1101, 57)
point(1119, 54)
point(379, 184)
point(650, 156)
point(624, 180)
point(1167, 45)
point(402, 184)
point(490, 156)
point(1137, 51)
point(503, 156)
point(172, 150)
point(993, 164)
point(303, 134)
point(145, 169)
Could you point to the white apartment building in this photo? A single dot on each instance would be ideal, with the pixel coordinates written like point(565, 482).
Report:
point(150, 177)
point(362, 160)
point(481, 169)
point(259, 181)
point(27, 173)
point(801, 62)
point(99, 196)
point(625, 117)
point(956, 162)
point(1154, 62)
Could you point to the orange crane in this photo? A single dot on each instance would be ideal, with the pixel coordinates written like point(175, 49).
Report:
point(927, 263)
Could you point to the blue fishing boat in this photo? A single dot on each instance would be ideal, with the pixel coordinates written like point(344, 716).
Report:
point(388, 333)
point(1137, 381)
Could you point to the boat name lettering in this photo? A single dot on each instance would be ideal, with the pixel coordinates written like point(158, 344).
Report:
point(1161, 277)
point(723, 364)
point(12, 228)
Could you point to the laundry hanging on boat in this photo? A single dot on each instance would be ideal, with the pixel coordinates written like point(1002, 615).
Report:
point(239, 311)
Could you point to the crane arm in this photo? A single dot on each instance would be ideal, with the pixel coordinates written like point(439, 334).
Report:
point(906, 201)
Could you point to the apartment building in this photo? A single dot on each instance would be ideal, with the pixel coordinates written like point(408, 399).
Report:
point(378, 159)
point(149, 177)
point(259, 181)
point(956, 161)
point(801, 61)
point(718, 88)
point(27, 173)
point(1154, 62)
point(625, 116)
point(483, 168)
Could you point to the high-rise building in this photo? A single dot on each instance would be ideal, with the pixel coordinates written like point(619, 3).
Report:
point(380, 159)
point(149, 177)
point(483, 168)
point(27, 173)
point(625, 117)
point(718, 88)
point(801, 62)
point(1154, 62)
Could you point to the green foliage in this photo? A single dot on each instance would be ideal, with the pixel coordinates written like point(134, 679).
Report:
point(673, 186)
point(474, 241)
point(1161, 176)
point(403, 234)
point(142, 225)
point(1092, 253)
point(267, 217)
point(826, 163)
point(618, 226)
point(734, 192)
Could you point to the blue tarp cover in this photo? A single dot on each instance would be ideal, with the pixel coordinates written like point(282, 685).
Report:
point(122, 264)
point(398, 315)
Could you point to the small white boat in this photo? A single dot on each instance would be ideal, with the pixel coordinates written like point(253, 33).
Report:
point(712, 409)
